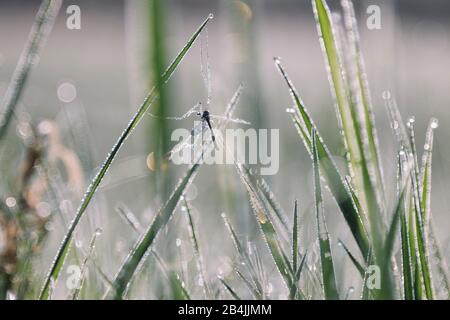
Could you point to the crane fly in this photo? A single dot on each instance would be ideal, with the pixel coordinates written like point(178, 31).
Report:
point(205, 117)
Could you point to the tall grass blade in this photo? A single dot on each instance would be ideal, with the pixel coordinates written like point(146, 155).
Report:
point(422, 246)
point(295, 238)
point(362, 98)
point(77, 291)
point(406, 250)
point(338, 188)
point(387, 282)
point(229, 289)
point(355, 261)
point(40, 31)
point(295, 291)
point(270, 235)
point(197, 254)
point(326, 258)
point(353, 130)
point(64, 247)
point(131, 263)
point(244, 255)
point(178, 290)
point(272, 201)
point(255, 292)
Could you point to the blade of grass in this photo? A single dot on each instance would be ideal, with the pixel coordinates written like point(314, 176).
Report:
point(229, 289)
point(131, 263)
point(355, 261)
point(354, 134)
point(366, 292)
point(272, 201)
point(178, 290)
point(294, 290)
point(77, 291)
point(407, 262)
point(338, 188)
point(250, 285)
point(425, 177)
point(364, 100)
point(295, 239)
point(159, 131)
point(421, 238)
point(244, 255)
point(64, 247)
point(40, 31)
point(387, 289)
point(197, 254)
point(328, 274)
point(270, 235)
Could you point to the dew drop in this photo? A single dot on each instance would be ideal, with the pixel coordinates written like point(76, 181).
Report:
point(211, 16)
point(11, 202)
point(290, 110)
point(43, 209)
point(78, 243)
point(98, 231)
point(386, 94)
point(434, 123)
point(178, 242)
point(66, 92)
point(410, 122)
point(277, 60)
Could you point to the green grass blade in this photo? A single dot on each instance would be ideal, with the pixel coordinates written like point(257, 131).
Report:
point(353, 127)
point(229, 289)
point(407, 262)
point(197, 254)
point(421, 237)
point(425, 177)
point(328, 274)
point(40, 31)
point(295, 291)
point(295, 238)
point(178, 290)
point(363, 99)
point(159, 129)
point(387, 286)
point(63, 249)
point(270, 235)
point(338, 188)
point(273, 202)
point(425, 172)
point(355, 261)
point(250, 285)
point(77, 291)
point(244, 255)
point(131, 263)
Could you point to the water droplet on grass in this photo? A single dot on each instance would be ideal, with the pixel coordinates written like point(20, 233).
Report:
point(434, 123)
point(11, 202)
point(386, 94)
